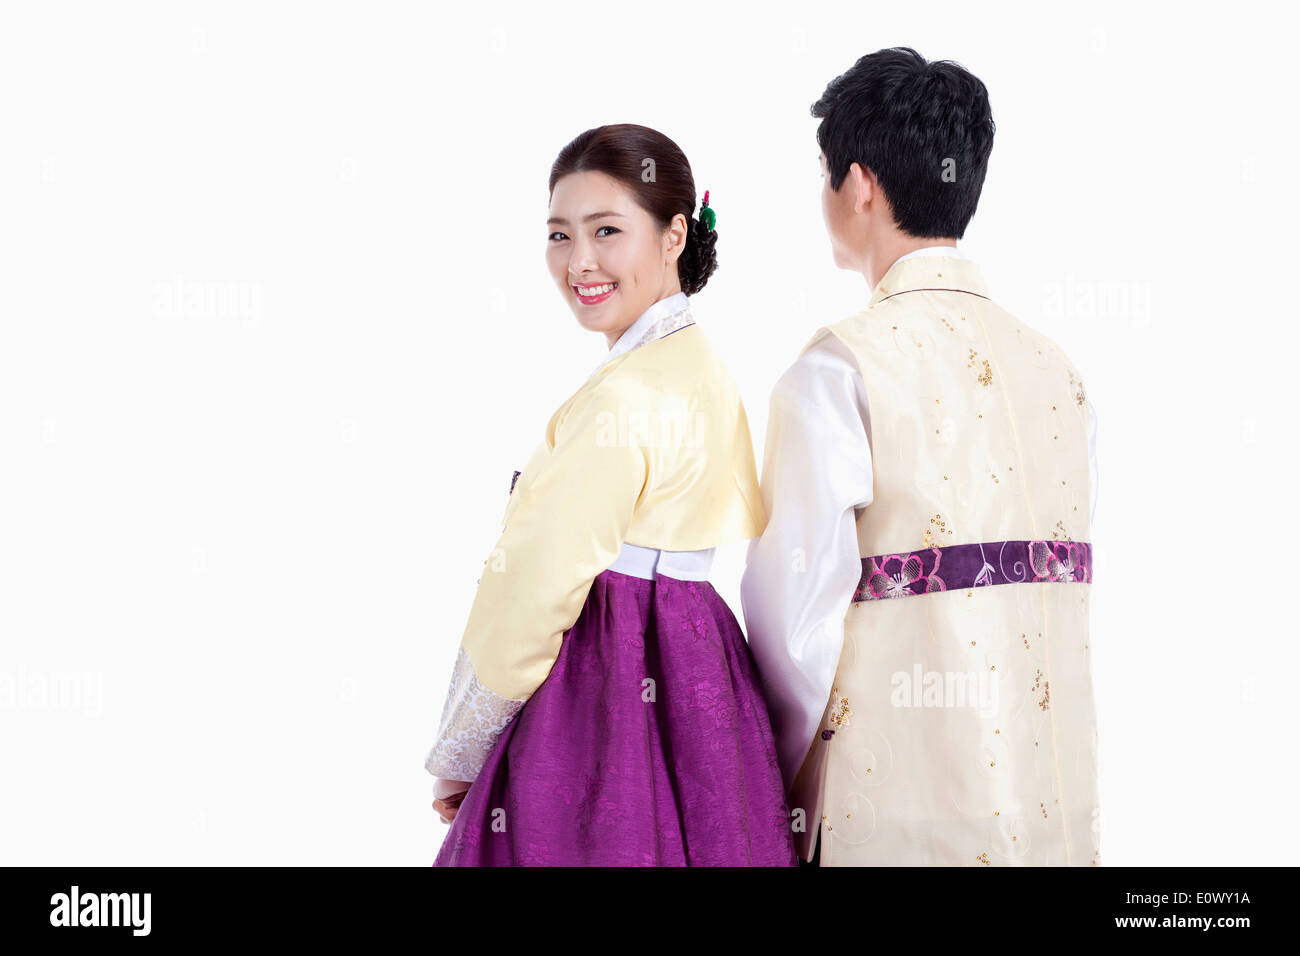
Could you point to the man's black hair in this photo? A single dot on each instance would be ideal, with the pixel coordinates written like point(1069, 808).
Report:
point(925, 130)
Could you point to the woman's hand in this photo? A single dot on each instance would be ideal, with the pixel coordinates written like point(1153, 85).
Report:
point(448, 795)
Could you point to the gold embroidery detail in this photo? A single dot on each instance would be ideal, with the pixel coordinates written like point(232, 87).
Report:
point(840, 717)
point(942, 528)
point(1077, 385)
point(1045, 701)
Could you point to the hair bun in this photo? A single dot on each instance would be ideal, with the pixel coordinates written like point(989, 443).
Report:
point(699, 259)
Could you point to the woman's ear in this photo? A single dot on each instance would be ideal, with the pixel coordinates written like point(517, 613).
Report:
point(675, 238)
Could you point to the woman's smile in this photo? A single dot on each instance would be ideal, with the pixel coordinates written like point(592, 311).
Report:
point(594, 293)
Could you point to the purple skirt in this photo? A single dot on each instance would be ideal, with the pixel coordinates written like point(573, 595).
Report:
point(648, 744)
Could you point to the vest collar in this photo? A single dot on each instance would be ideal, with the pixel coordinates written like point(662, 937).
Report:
point(950, 273)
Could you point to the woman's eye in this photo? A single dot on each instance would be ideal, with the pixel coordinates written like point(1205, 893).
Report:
point(603, 228)
point(556, 237)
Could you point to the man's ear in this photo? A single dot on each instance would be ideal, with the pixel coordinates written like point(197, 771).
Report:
point(865, 186)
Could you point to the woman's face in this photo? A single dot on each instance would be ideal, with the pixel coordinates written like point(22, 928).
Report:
point(606, 254)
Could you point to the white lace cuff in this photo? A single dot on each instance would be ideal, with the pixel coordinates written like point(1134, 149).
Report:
point(472, 719)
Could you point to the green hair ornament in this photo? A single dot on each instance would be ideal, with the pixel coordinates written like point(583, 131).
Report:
point(707, 217)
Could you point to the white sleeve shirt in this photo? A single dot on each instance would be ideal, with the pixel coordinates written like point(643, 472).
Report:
point(801, 574)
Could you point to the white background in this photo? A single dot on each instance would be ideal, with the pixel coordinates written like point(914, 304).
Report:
point(275, 328)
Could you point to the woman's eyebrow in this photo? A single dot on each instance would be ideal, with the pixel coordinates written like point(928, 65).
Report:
point(557, 221)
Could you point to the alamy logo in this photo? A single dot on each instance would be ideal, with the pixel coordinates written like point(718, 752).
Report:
point(101, 909)
point(977, 690)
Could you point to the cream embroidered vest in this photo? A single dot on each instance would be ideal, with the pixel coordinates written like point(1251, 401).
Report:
point(961, 729)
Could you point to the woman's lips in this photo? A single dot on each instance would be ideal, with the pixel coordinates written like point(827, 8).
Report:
point(607, 289)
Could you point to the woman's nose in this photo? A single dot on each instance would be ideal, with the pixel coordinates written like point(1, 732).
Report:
point(581, 259)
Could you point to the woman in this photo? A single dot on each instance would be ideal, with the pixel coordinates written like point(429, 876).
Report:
point(604, 703)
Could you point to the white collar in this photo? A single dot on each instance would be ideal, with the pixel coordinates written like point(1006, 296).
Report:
point(951, 251)
point(665, 316)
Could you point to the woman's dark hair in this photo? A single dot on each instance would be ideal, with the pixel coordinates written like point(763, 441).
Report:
point(655, 169)
point(925, 130)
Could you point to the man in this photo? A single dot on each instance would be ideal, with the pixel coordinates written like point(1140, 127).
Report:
point(918, 604)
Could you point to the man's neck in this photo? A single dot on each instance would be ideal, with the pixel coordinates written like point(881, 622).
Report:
point(884, 254)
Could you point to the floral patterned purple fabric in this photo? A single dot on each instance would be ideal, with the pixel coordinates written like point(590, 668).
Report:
point(648, 744)
point(959, 566)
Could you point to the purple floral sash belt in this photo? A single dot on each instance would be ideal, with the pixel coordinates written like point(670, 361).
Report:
point(958, 566)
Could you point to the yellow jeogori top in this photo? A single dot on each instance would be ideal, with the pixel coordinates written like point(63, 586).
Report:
point(653, 450)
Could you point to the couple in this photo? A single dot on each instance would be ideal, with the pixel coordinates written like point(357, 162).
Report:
point(605, 708)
